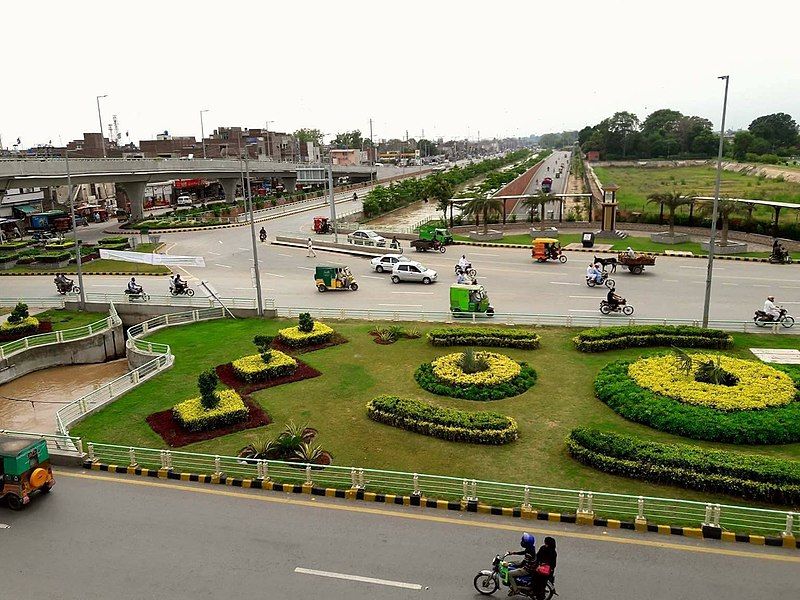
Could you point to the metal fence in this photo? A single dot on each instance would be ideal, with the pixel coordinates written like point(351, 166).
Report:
point(620, 506)
point(10, 349)
point(55, 442)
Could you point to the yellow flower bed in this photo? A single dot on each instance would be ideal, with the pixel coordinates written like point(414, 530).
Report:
point(192, 415)
point(253, 367)
point(292, 336)
point(501, 369)
point(31, 323)
point(759, 386)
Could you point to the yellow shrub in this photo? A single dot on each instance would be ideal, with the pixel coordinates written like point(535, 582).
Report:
point(253, 367)
point(501, 369)
point(193, 416)
point(759, 385)
point(31, 323)
point(292, 336)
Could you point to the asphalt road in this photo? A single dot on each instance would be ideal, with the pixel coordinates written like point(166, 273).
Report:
point(549, 168)
point(97, 537)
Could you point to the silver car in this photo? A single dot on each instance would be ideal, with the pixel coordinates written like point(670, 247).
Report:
point(366, 237)
point(413, 271)
point(386, 263)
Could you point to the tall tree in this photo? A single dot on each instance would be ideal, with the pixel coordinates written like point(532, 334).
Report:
point(441, 190)
point(742, 141)
point(348, 139)
point(309, 135)
point(482, 206)
point(779, 129)
point(536, 203)
point(725, 208)
point(671, 200)
point(661, 122)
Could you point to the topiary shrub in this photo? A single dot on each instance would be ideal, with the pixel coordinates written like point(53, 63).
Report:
point(305, 324)
point(207, 383)
point(19, 313)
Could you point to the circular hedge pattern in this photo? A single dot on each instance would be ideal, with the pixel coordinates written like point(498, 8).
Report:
point(466, 386)
point(774, 425)
point(759, 385)
point(502, 369)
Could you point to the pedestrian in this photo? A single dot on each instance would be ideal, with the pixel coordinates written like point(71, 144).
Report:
point(310, 247)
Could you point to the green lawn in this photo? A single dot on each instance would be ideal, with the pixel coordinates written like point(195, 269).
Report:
point(356, 372)
point(636, 183)
point(69, 319)
point(100, 265)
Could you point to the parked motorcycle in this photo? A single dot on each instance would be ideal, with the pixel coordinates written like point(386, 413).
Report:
point(141, 295)
point(488, 581)
point(762, 319)
point(623, 307)
point(604, 280)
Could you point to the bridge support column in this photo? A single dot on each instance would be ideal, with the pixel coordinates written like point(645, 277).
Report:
point(229, 187)
point(288, 183)
point(135, 192)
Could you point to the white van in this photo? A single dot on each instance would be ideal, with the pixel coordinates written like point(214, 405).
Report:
point(184, 200)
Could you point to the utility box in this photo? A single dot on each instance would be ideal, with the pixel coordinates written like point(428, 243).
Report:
point(587, 239)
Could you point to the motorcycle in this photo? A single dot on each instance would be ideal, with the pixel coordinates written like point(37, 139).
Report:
point(781, 258)
point(488, 581)
point(262, 237)
point(604, 280)
point(183, 290)
point(140, 295)
point(762, 319)
point(622, 307)
point(66, 288)
point(468, 270)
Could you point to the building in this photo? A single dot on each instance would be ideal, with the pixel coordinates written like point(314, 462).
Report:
point(168, 146)
point(24, 200)
point(349, 157)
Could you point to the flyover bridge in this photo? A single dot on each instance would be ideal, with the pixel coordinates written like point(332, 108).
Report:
point(133, 174)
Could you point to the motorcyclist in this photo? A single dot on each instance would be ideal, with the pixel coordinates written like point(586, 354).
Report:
point(262, 235)
point(525, 567)
point(462, 278)
point(772, 309)
point(463, 264)
point(133, 287)
point(613, 299)
point(63, 282)
point(176, 284)
point(593, 273)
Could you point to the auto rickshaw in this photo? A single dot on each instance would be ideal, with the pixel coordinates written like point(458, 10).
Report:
point(322, 225)
point(545, 249)
point(467, 300)
point(334, 278)
point(24, 469)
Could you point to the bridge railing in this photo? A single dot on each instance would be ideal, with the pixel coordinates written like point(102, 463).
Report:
point(605, 505)
point(61, 443)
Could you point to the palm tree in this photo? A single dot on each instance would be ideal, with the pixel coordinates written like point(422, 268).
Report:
point(482, 206)
point(672, 200)
point(537, 201)
point(725, 208)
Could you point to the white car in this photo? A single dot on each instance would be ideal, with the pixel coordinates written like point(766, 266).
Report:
point(413, 271)
point(386, 263)
point(366, 237)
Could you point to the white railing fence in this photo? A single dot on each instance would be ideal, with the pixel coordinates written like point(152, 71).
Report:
point(55, 442)
point(604, 505)
point(10, 349)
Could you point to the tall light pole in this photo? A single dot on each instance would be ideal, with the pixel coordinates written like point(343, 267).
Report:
point(102, 138)
point(249, 196)
point(712, 237)
point(202, 131)
point(75, 232)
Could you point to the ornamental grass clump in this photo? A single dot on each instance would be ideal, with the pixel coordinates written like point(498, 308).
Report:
point(473, 363)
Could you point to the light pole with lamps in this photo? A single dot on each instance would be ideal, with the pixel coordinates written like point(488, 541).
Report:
point(249, 198)
point(712, 240)
point(75, 232)
point(102, 138)
point(202, 131)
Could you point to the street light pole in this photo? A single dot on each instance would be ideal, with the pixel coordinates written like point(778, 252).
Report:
point(249, 196)
point(75, 233)
point(712, 237)
point(202, 131)
point(102, 138)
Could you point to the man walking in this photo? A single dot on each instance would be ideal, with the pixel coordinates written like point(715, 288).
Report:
point(310, 247)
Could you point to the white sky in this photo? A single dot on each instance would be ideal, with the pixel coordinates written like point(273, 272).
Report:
point(450, 68)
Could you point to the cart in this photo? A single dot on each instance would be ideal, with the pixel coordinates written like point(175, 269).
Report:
point(635, 264)
point(24, 469)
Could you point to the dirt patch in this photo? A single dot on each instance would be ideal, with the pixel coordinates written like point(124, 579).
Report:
point(334, 341)
point(175, 436)
point(228, 377)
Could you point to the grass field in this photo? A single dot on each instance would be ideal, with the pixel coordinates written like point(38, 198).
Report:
point(101, 265)
point(636, 183)
point(69, 319)
point(356, 372)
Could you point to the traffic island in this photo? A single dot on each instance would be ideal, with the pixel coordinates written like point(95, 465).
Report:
point(727, 249)
point(664, 237)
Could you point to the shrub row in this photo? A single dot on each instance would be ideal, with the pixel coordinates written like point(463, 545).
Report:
point(600, 339)
point(746, 475)
point(426, 378)
point(778, 425)
point(28, 326)
point(445, 423)
point(192, 416)
point(253, 368)
point(484, 336)
point(292, 336)
point(12, 246)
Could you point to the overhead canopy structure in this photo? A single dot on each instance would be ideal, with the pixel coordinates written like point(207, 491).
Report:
point(776, 206)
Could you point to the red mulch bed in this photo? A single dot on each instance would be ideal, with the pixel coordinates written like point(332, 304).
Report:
point(175, 436)
point(334, 341)
point(10, 336)
point(229, 378)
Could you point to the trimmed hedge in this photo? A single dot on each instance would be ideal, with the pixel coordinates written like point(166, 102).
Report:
point(484, 336)
point(600, 339)
point(53, 257)
point(445, 423)
point(114, 239)
point(12, 246)
point(28, 326)
point(8, 256)
point(293, 337)
point(428, 381)
point(192, 416)
point(116, 246)
point(746, 475)
point(778, 425)
point(252, 368)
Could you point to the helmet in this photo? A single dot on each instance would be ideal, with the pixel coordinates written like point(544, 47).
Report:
point(528, 541)
point(613, 289)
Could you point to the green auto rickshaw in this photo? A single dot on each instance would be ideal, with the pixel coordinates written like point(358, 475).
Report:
point(334, 278)
point(24, 469)
point(468, 300)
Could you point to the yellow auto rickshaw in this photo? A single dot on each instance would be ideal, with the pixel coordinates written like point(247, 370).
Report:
point(545, 249)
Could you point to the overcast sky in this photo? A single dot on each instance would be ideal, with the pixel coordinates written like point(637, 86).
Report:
point(449, 68)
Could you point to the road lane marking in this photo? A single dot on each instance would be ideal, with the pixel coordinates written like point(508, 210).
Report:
point(479, 254)
point(414, 305)
point(373, 277)
point(247, 288)
point(306, 268)
point(286, 255)
point(759, 285)
point(671, 281)
point(214, 253)
point(225, 266)
point(418, 293)
point(724, 283)
point(273, 274)
point(563, 283)
point(588, 297)
point(245, 249)
point(384, 513)
point(387, 582)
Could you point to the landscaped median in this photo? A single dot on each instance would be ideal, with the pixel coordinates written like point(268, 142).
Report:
point(446, 423)
point(600, 339)
point(750, 476)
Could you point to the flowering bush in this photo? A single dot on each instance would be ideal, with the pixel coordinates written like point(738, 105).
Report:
point(230, 408)
point(253, 368)
point(758, 385)
point(292, 336)
point(501, 369)
point(27, 324)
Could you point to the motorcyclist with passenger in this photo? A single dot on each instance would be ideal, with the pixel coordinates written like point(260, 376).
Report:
point(593, 273)
point(133, 287)
point(63, 282)
point(526, 566)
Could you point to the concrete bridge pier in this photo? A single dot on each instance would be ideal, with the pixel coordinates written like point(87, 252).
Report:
point(289, 183)
point(229, 187)
point(135, 192)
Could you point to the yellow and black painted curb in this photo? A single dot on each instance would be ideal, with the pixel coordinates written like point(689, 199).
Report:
point(705, 532)
point(26, 273)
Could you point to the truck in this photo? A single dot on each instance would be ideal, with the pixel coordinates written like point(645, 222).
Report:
point(431, 232)
point(547, 185)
